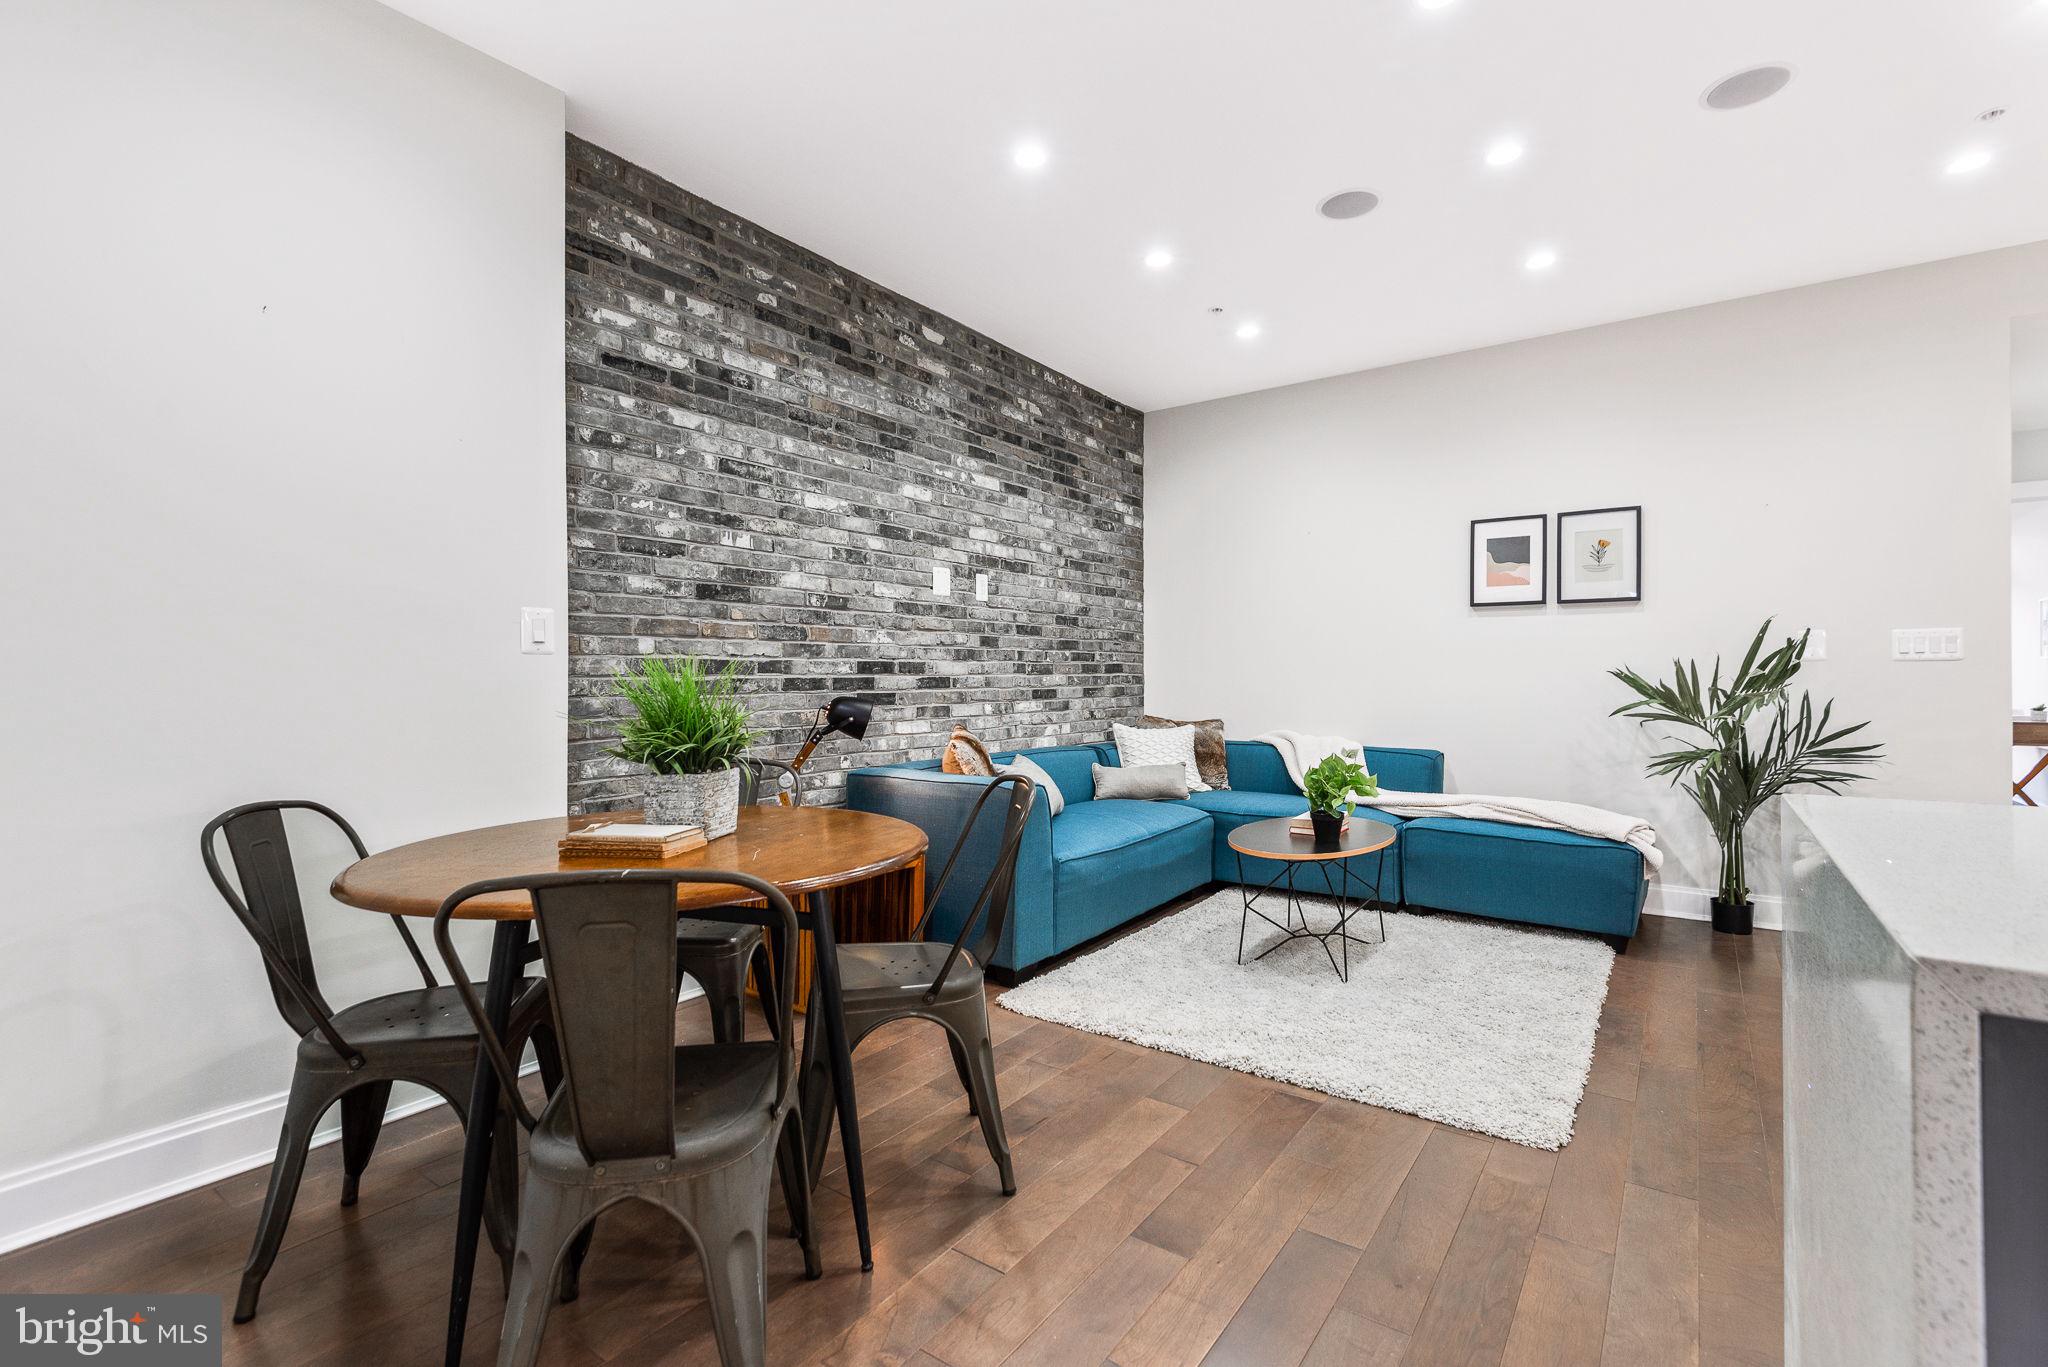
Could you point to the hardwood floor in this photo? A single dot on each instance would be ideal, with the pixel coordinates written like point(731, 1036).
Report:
point(1168, 1211)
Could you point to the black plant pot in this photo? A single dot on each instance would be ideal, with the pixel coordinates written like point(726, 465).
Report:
point(1733, 918)
point(1329, 827)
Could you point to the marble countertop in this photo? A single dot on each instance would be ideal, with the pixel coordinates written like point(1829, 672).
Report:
point(1954, 883)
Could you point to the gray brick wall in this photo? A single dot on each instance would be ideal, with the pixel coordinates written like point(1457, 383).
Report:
point(768, 452)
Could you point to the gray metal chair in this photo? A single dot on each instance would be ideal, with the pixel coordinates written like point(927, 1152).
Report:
point(940, 982)
point(719, 954)
point(350, 1056)
point(701, 1131)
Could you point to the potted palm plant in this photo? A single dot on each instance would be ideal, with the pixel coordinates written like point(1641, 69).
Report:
point(1329, 787)
point(1726, 768)
point(689, 728)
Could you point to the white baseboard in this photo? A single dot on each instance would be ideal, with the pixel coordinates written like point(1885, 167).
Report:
point(1695, 904)
point(69, 1192)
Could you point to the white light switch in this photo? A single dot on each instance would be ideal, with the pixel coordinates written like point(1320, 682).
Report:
point(1927, 643)
point(942, 580)
point(981, 587)
point(536, 631)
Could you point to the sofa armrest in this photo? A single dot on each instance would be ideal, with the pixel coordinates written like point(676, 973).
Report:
point(1406, 771)
point(938, 804)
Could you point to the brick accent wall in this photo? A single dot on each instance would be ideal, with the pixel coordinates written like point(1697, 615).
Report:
point(767, 454)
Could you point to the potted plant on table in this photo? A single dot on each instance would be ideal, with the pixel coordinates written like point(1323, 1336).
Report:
point(1728, 770)
point(689, 728)
point(1330, 787)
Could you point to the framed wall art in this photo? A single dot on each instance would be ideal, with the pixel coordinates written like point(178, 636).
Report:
point(1600, 555)
point(1508, 561)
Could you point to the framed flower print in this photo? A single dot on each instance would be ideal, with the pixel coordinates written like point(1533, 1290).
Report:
point(1600, 555)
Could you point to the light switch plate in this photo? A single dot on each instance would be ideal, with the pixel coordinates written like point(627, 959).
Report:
point(981, 587)
point(536, 631)
point(1927, 643)
point(1817, 643)
point(942, 580)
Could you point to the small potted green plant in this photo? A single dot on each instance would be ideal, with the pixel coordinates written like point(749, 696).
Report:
point(689, 727)
point(1330, 787)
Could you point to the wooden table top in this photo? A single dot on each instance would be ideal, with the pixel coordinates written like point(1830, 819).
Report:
point(1273, 839)
point(798, 849)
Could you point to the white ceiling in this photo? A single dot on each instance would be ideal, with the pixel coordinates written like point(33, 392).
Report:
point(879, 133)
point(2030, 374)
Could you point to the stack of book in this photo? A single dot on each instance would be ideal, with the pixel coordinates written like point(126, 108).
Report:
point(1301, 825)
point(619, 840)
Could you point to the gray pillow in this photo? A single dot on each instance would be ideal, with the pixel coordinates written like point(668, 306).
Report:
point(1055, 801)
point(1145, 782)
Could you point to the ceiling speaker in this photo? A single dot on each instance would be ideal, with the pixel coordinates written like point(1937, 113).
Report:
point(1746, 88)
point(1349, 204)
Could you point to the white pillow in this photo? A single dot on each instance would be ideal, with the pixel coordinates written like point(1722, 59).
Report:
point(1055, 801)
point(1140, 745)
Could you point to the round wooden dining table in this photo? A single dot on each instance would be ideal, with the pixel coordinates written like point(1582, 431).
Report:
point(805, 851)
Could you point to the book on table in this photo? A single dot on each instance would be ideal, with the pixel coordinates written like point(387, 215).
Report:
point(1301, 825)
point(630, 840)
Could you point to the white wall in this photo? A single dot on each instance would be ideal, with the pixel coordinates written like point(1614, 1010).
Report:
point(282, 365)
point(2030, 455)
point(1837, 456)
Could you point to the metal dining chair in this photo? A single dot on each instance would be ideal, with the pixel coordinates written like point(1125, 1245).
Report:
point(350, 1056)
point(701, 1131)
point(719, 954)
point(942, 982)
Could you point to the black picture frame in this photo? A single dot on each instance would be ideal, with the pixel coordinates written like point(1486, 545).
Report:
point(1539, 563)
point(1632, 510)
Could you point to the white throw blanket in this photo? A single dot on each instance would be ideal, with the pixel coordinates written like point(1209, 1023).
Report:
point(1575, 817)
point(1300, 753)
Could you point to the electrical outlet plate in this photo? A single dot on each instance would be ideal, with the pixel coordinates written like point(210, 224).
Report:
point(1927, 644)
point(981, 587)
point(942, 580)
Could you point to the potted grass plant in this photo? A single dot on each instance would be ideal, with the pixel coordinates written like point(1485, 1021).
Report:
point(689, 727)
point(1329, 787)
point(1726, 767)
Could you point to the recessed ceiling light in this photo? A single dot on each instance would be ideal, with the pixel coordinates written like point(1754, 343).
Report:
point(1030, 155)
point(1349, 204)
point(1158, 259)
point(1247, 331)
point(1504, 152)
point(1968, 162)
point(1541, 259)
point(1746, 88)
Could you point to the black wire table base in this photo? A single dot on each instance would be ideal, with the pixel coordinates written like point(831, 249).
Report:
point(1297, 927)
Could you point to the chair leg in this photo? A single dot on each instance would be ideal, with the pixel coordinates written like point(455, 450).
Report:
point(550, 1219)
point(308, 1101)
point(362, 1118)
point(724, 981)
point(969, 1021)
point(960, 1067)
point(763, 964)
point(572, 1265)
point(796, 1191)
point(727, 1210)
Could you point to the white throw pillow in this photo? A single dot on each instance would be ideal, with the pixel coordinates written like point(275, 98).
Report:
point(1055, 801)
point(1140, 745)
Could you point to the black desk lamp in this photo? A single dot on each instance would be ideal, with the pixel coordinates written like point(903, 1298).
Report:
point(846, 716)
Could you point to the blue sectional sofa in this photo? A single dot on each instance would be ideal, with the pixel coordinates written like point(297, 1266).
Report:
point(1100, 863)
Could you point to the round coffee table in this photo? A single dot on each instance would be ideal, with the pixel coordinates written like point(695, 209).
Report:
point(1274, 839)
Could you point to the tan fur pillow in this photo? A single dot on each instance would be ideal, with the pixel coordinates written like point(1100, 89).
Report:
point(1210, 757)
point(966, 755)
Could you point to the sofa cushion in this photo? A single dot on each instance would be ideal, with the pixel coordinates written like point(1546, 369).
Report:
point(1522, 873)
point(1090, 828)
point(1245, 804)
point(1114, 859)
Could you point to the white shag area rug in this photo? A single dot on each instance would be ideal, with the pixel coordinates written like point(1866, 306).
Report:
point(1479, 1024)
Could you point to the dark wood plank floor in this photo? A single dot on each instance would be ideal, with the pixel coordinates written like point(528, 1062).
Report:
point(1169, 1212)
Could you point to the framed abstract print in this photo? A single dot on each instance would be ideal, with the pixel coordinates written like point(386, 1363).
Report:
point(1600, 555)
point(1508, 561)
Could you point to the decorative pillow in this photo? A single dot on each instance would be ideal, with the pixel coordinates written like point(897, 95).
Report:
point(966, 755)
point(1211, 758)
point(1055, 800)
point(1145, 782)
point(1138, 745)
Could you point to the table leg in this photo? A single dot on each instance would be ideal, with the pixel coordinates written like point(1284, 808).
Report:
point(834, 1009)
point(2019, 790)
point(508, 967)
